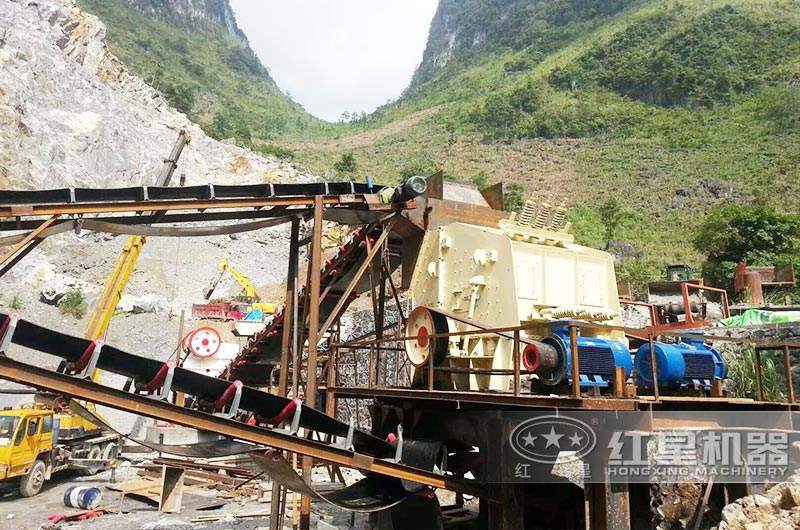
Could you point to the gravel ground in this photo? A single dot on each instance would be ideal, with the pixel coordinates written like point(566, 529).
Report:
point(18, 513)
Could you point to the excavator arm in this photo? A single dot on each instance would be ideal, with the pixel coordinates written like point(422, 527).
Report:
point(225, 266)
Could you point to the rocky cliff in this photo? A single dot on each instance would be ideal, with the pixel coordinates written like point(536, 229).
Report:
point(193, 14)
point(72, 115)
point(463, 32)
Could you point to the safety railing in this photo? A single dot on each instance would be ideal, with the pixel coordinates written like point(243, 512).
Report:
point(621, 386)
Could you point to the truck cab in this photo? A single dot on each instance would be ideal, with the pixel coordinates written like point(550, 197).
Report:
point(27, 439)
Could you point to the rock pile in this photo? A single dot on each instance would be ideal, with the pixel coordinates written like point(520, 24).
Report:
point(777, 509)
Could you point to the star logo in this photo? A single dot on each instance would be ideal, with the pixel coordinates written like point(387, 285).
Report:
point(575, 439)
point(529, 439)
point(552, 438)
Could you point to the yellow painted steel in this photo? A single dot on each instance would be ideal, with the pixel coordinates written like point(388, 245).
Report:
point(225, 266)
point(115, 285)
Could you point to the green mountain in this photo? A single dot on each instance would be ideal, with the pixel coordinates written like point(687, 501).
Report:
point(642, 115)
point(195, 54)
point(655, 109)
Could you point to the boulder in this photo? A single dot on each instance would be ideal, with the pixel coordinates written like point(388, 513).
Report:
point(58, 285)
point(149, 303)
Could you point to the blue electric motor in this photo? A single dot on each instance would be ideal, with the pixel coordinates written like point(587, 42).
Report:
point(598, 358)
point(689, 363)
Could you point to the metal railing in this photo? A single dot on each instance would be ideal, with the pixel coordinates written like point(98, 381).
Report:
point(620, 386)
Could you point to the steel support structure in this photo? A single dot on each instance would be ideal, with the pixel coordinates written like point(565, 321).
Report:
point(19, 249)
point(315, 265)
point(277, 504)
point(79, 209)
point(85, 389)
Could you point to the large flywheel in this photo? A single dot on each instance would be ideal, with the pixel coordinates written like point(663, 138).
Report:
point(425, 324)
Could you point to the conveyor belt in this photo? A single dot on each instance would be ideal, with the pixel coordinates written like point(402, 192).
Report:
point(158, 193)
point(262, 352)
point(204, 388)
point(92, 225)
point(368, 453)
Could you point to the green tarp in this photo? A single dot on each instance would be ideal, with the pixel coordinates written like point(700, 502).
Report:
point(755, 317)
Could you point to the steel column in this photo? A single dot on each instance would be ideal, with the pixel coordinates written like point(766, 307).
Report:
point(653, 365)
point(759, 375)
point(315, 265)
point(787, 367)
point(277, 495)
point(576, 369)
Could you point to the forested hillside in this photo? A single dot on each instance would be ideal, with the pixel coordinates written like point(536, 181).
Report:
point(655, 110)
point(642, 114)
point(196, 55)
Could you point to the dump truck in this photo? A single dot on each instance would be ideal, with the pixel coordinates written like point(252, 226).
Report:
point(37, 441)
point(236, 309)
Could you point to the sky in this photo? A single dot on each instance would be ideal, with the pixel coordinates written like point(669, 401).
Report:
point(338, 55)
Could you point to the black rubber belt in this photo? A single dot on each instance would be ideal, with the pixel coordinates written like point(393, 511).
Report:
point(206, 192)
point(141, 369)
point(208, 449)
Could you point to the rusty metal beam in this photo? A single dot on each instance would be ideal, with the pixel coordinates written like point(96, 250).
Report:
point(288, 309)
point(277, 496)
point(19, 256)
point(39, 210)
point(84, 389)
point(315, 265)
point(491, 398)
point(27, 240)
point(787, 367)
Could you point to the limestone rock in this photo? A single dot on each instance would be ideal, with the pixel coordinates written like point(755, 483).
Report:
point(149, 303)
point(72, 115)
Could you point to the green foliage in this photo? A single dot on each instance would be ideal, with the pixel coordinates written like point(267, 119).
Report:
point(613, 216)
point(587, 226)
point(500, 114)
point(16, 302)
point(201, 70)
point(718, 54)
point(346, 164)
point(480, 180)
point(741, 381)
point(180, 96)
point(229, 124)
point(780, 106)
point(73, 303)
point(639, 273)
point(759, 234)
point(513, 197)
point(274, 150)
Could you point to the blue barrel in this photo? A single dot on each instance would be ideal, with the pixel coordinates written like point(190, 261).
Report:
point(82, 497)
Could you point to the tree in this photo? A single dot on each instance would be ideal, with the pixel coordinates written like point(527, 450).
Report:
point(734, 232)
point(614, 217)
point(180, 96)
point(513, 197)
point(346, 164)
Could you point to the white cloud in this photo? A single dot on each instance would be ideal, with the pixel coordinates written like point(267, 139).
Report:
point(338, 55)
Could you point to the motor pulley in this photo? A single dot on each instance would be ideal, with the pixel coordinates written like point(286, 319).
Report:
point(425, 324)
point(203, 342)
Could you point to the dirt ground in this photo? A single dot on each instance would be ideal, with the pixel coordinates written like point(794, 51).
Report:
point(19, 513)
